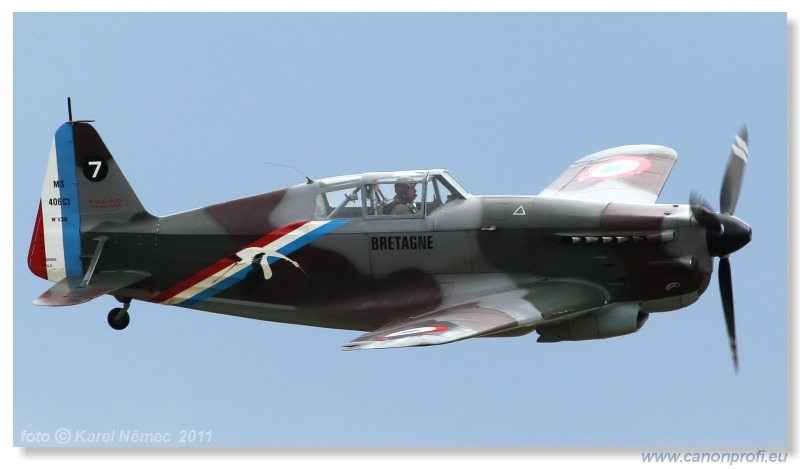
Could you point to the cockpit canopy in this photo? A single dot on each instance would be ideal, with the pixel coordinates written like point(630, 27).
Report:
point(372, 194)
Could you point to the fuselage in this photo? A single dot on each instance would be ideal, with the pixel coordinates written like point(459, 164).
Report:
point(280, 256)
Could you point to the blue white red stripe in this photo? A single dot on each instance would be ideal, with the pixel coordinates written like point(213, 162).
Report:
point(59, 214)
point(228, 271)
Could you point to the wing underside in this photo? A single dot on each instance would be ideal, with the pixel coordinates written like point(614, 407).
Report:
point(521, 309)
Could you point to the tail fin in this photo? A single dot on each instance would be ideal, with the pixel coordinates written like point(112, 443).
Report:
point(83, 187)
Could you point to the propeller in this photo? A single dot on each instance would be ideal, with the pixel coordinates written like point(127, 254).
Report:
point(726, 234)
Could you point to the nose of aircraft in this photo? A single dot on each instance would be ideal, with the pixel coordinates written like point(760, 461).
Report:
point(734, 235)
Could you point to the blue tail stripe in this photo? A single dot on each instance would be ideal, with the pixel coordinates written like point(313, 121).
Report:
point(70, 204)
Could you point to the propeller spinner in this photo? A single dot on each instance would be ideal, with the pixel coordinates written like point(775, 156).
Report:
point(726, 234)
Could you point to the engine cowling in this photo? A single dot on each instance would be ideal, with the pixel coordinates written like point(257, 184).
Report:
point(612, 321)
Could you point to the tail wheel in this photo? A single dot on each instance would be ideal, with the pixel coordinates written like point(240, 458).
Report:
point(118, 318)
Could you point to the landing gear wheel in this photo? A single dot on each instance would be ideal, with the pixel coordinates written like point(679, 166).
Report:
point(118, 319)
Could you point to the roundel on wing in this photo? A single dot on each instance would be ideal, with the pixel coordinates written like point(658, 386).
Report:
point(415, 331)
point(620, 167)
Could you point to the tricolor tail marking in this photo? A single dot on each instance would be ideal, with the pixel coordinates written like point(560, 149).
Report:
point(227, 272)
point(55, 251)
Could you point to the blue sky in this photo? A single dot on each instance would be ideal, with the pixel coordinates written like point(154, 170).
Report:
point(192, 105)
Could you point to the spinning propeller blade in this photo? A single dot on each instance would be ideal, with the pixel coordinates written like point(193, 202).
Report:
point(725, 233)
point(729, 194)
point(726, 291)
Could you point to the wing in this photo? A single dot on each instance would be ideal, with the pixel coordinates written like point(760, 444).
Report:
point(69, 291)
point(521, 309)
point(631, 174)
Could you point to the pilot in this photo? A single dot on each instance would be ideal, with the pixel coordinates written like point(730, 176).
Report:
point(403, 202)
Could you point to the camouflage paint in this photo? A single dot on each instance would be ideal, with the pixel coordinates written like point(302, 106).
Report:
point(578, 261)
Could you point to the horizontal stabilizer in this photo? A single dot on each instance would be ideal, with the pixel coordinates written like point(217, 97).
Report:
point(69, 291)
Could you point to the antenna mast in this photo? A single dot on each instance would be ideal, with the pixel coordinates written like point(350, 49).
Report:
point(308, 179)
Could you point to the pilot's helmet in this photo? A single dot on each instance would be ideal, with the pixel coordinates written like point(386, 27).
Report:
point(402, 184)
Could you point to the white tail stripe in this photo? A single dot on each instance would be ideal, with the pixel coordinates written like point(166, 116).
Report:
point(51, 221)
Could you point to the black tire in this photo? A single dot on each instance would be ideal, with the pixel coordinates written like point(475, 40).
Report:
point(118, 323)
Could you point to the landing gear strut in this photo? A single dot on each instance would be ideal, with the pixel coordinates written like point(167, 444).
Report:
point(118, 318)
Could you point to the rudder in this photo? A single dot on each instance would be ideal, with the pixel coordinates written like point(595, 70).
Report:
point(83, 188)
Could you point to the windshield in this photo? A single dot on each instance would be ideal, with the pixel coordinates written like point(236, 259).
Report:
point(455, 185)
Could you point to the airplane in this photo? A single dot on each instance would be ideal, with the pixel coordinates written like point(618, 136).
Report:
point(589, 257)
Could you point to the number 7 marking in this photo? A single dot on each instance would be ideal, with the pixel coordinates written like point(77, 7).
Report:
point(97, 165)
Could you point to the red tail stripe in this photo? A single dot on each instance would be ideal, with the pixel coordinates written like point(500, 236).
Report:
point(37, 261)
